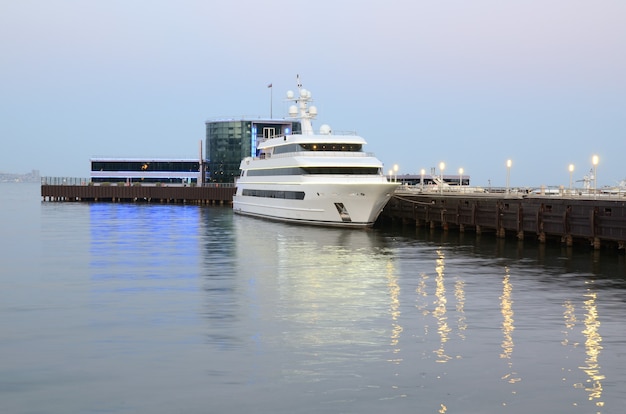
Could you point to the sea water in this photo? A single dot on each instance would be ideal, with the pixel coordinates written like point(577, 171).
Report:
point(156, 308)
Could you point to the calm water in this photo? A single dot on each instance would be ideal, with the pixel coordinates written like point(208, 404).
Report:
point(121, 308)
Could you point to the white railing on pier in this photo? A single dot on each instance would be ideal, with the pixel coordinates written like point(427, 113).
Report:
point(87, 181)
point(513, 192)
point(64, 181)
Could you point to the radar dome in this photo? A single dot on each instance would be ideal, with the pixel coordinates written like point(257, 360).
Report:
point(304, 93)
point(293, 111)
point(325, 129)
point(289, 94)
point(313, 110)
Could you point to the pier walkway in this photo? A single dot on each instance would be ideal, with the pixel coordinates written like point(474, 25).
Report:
point(595, 219)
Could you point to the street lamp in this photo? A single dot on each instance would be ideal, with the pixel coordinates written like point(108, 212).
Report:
point(422, 172)
point(395, 169)
point(571, 172)
point(442, 166)
point(594, 161)
point(460, 178)
point(508, 174)
point(390, 174)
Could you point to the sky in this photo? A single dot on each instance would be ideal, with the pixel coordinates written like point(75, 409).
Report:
point(471, 83)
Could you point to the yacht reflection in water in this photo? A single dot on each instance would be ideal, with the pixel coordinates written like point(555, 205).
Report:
point(394, 309)
point(328, 287)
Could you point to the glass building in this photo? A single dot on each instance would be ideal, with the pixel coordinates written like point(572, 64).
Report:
point(230, 141)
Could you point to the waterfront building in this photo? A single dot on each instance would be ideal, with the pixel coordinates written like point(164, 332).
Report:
point(228, 141)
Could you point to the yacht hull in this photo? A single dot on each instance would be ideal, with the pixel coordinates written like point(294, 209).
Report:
point(342, 204)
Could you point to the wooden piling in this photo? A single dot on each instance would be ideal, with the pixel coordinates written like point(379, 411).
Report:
point(572, 220)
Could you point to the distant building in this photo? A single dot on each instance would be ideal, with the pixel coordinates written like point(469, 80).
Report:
point(229, 141)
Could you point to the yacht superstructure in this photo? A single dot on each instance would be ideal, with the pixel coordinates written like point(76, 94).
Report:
point(321, 178)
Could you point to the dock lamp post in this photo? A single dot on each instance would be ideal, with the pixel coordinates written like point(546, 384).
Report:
point(422, 172)
point(508, 175)
point(390, 175)
point(442, 166)
point(395, 170)
point(594, 161)
point(571, 173)
point(460, 178)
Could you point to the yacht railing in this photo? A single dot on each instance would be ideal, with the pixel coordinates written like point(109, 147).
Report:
point(318, 154)
point(261, 138)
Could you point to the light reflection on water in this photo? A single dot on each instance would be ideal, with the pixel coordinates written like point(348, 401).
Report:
point(508, 326)
point(440, 312)
point(166, 308)
point(592, 349)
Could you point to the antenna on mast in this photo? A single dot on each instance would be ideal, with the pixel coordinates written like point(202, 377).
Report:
point(300, 109)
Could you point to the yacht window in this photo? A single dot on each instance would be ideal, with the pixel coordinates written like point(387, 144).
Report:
point(284, 149)
point(337, 147)
point(287, 195)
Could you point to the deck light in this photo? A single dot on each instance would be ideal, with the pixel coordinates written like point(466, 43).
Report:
point(594, 161)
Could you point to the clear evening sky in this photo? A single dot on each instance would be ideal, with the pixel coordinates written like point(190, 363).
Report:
point(471, 83)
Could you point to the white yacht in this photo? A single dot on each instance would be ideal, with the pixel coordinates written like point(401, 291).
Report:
point(320, 178)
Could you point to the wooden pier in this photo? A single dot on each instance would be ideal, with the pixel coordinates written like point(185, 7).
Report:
point(593, 220)
point(214, 194)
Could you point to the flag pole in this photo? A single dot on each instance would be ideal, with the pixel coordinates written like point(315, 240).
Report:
point(271, 103)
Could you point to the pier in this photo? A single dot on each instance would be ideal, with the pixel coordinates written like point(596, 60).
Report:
point(568, 217)
point(209, 194)
point(593, 219)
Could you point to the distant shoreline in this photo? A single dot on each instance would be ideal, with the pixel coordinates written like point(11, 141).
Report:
point(31, 177)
